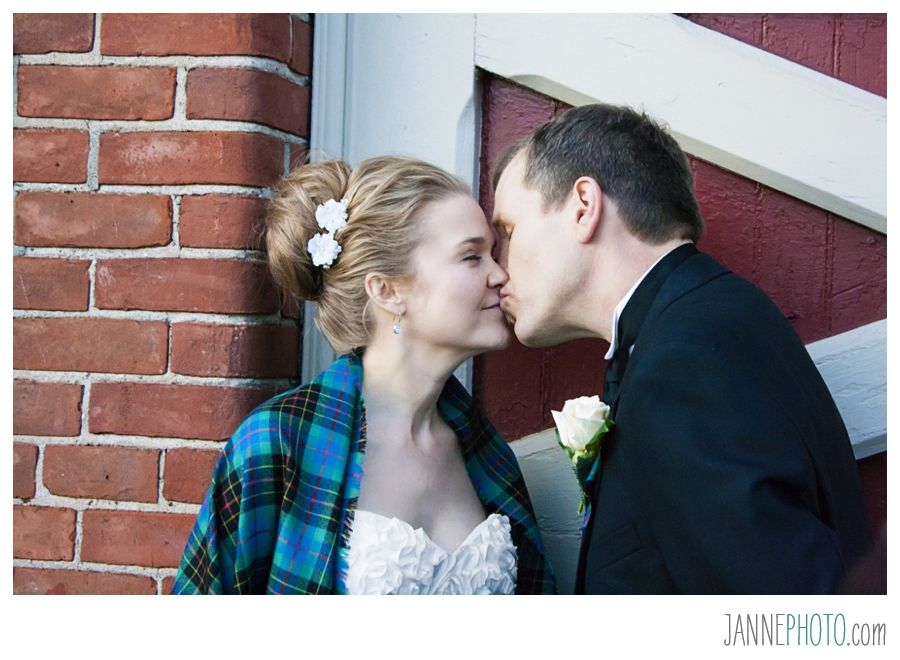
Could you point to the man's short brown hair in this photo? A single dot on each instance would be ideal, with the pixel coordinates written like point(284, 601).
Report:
point(633, 159)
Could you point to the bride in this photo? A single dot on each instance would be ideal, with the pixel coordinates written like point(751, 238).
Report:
point(381, 475)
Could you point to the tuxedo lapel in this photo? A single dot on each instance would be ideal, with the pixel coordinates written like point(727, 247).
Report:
point(635, 312)
point(680, 272)
point(694, 272)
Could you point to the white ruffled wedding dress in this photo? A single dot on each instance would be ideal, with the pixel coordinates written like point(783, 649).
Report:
point(388, 556)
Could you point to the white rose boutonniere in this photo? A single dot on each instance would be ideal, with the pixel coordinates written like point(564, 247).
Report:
point(580, 428)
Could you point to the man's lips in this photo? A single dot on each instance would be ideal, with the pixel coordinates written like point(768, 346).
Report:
point(505, 303)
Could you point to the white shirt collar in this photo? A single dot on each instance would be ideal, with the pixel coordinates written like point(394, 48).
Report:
point(617, 312)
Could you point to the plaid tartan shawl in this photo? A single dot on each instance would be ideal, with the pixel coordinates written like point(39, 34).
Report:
point(277, 516)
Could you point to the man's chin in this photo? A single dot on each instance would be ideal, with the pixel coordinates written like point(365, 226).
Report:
point(532, 337)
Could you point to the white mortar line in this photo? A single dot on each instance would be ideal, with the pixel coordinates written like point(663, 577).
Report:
point(129, 569)
point(96, 55)
point(175, 240)
point(79, 537)
point(92, 285)
point(78, 377)
point(160, 479)
point(40, 490)
point(126, 441)
point(150, 189)
point(95, 58)
point(172, 125)
point(81, 504)
point(93, 164)
point(274, 319)
point(179, 113)
point(161, 252)
point(15, 94)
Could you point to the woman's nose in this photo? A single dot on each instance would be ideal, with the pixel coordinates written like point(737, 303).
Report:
point(498, 276)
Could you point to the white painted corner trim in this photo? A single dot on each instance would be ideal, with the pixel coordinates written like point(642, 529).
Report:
point(326, 140)
point(794, 129)
point(402, 84)
point(854, 366)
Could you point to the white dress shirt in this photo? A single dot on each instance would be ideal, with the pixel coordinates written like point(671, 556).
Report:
point(617, 312)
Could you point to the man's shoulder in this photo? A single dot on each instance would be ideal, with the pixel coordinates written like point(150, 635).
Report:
point(717, 306)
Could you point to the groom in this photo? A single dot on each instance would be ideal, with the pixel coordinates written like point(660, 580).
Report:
point(729, 469)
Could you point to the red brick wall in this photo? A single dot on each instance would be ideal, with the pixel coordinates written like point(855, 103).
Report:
point(827, 274)
point(145, 325)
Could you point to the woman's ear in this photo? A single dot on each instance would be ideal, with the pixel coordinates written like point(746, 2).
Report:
point(589, 199)
point(386, 293)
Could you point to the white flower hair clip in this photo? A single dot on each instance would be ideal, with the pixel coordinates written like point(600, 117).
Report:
point(332, 217)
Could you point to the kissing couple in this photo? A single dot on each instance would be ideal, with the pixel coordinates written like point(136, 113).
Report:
point(726, 467)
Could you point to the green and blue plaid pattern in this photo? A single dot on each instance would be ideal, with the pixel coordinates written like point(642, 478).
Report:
point(277, 515)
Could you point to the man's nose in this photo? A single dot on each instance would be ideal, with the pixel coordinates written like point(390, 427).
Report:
point(503, 254)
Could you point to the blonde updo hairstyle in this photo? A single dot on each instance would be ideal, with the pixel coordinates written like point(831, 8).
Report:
point(384, 197)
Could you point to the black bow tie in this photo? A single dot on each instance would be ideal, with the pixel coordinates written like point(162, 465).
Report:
point(632, 317)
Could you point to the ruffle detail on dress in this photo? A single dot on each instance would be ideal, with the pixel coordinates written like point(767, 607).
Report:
point(389, 556)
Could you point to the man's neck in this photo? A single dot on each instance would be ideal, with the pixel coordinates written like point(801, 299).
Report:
point(623, 267)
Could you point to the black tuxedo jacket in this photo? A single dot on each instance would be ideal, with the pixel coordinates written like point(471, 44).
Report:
point(729, 469)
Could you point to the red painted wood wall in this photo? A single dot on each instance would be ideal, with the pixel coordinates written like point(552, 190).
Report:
point(827, 274)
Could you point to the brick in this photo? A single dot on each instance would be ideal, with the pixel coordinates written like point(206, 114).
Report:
point(47, 33)
point(136, 538)
point(264, 35)
point(85, 344)
point(96, 92)
point(743, 27)
point(290, 307)
point(180, 411)
point(167, 584)
point(222, 221)
point(301, 46)
point(187, 285)
point(803, 38)
point(24, 463)
point(46, 408)
point(862, 51)
point(248, 95)
point(188, 474)
point(255, 351)
point(53, 284)
point(299, 155)
point(43, 533)
point(176, 158)
point(27, 581)
point(50, 156)
point(109, 473)
point(51, 219)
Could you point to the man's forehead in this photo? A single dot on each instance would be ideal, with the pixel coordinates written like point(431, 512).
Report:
point(514, 172)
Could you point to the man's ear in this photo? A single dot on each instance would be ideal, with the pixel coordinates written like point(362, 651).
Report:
point(386, 293)
point(589, 199)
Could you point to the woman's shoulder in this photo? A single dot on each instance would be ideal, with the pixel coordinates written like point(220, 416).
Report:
point(270, 428)
point(288, 420)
